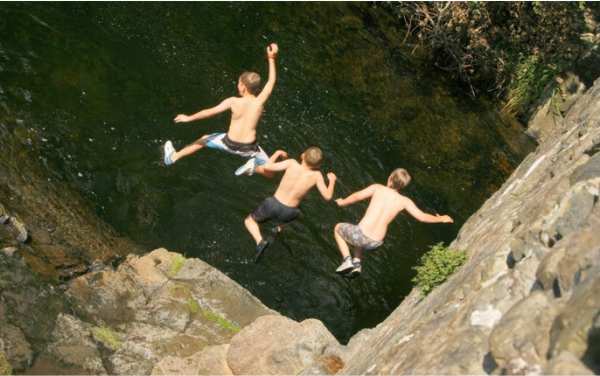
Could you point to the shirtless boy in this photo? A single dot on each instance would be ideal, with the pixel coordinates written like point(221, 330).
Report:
point(246, 111)
point(386, 203)
point(282, 207)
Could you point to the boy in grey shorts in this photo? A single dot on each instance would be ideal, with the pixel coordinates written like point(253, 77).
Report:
point(386, 203)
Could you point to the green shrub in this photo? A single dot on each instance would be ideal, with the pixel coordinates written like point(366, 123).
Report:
point(436, 266)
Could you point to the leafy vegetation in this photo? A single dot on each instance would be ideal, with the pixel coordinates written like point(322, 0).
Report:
point(512, 49)
point(436, 266)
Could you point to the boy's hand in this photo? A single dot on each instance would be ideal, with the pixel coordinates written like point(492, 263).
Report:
point(445, 218)
point(272, 50)
point(181, 118)
point(331, 176)
point(339, 201)
point(282, 153)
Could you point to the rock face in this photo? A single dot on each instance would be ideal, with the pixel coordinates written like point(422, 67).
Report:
point(527, 299)
point(155, 312)
point(48, 223)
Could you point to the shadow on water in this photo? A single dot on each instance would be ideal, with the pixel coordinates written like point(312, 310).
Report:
point(100, 85)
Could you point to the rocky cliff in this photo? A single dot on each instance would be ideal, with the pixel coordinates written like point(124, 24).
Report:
point(525, 302)
point(527, 299)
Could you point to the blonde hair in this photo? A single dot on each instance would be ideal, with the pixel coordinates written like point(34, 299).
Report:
point(313, 156)
point(251, 81)
point(399, 178)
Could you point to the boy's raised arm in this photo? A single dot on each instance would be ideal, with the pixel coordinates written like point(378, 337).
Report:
point(326, 190)
point(357, 196)
point(209, 112)
point(272, 51)
point(419, 215)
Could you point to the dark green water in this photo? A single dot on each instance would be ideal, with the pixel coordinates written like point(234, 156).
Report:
point(95, 86)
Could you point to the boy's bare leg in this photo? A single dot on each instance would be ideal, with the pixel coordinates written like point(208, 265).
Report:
point(189, 150)
point(341, 243)
point(267, 174)
point(253, 229)
point(358, 255)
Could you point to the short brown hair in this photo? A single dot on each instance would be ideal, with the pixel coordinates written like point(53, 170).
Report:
point(399, 178)
point(252, 82)
point(313, 156)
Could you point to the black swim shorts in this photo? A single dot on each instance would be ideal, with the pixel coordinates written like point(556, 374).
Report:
point(272, 209)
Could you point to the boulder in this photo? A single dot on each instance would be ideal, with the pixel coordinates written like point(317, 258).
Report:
point(212, 360)
point(72, 344)
point(566, 364)
point(278, 345)
point(15, 347)
point(521, 336)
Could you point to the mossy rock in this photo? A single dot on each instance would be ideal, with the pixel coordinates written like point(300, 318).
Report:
point(222, 322)
point(107, 337)
point(5, 367)
point(176, 265)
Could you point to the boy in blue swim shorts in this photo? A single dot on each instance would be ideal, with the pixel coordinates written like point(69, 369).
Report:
point(246, 111)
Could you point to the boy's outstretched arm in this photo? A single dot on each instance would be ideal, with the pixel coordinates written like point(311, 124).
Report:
point(357, 196)
point(326, 190)
point(278, 166)
point(419, 215)
point(221, 107)
point(272, 51)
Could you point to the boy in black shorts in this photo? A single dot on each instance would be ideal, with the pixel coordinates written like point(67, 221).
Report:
point(282, 207)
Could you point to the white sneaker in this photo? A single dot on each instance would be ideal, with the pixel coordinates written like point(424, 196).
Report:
point(247, 169)
point(346, 266)
point(168, 151)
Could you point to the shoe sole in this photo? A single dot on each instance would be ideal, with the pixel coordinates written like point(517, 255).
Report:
point(260, 253)
point(345, 271)
point(353, 274)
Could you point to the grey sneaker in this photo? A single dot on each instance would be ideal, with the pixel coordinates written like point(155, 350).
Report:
point(356, 270)
point(247, 169)
point(346, 266)
point(168, 151)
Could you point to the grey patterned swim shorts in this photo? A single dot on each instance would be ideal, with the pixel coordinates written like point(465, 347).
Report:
point(354, 235)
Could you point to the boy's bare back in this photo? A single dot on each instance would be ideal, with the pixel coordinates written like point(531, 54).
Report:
point(296, 182)
point(245, 114)
point(386, 203)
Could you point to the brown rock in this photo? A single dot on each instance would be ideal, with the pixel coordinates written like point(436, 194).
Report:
point(278, 345)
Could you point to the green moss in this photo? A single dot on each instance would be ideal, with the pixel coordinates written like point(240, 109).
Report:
point(436, 266)
point(193, 306)
point(107, 337)
point(5, 368)
point(220, 321)
point(176, 265)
